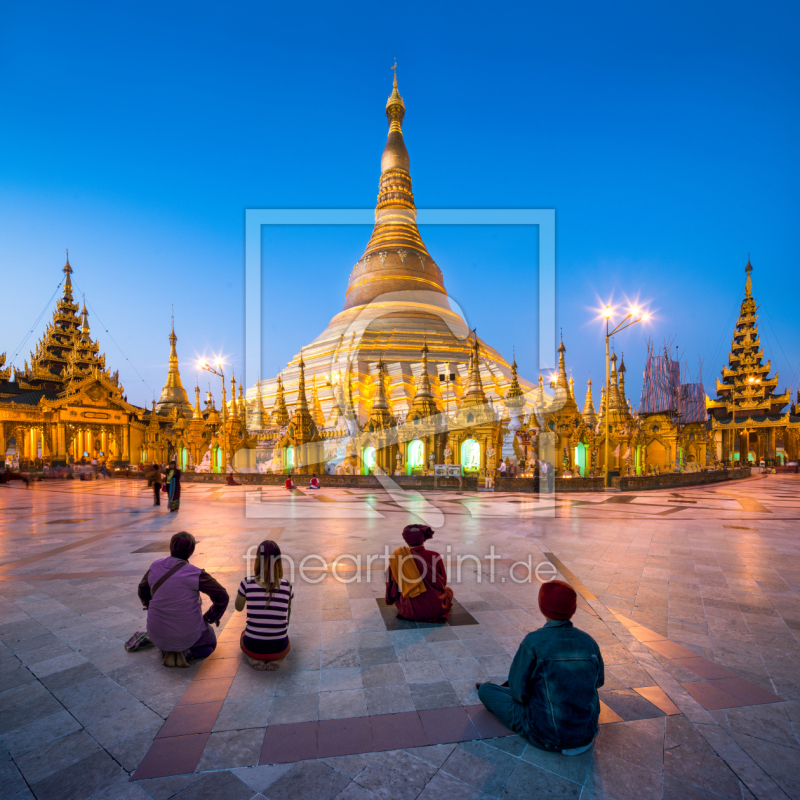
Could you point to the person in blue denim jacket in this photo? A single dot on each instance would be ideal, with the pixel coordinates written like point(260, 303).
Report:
point(551, 695)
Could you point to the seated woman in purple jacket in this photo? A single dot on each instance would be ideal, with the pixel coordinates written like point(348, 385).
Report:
point(416, 581)
point(170, 591)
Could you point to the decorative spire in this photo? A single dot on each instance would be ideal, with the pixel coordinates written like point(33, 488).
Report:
point(424, 384)
point(621, 373)
point(242, 404)
point(67, 279)
point(423, 405)
point(173, 395)
point(379, 403)
point(197, 413)
point(539, 403)
point(84, 318)
point(395, 107)
point(748, 286)
point(589, 415)
point(514, 396)
point(316, 406)
point(258, 416)
point(473, 393)
point(224, 405)
point(302, 401)
point(561, 393)
point(395, 259)
point(234, 408)
point(280, 415)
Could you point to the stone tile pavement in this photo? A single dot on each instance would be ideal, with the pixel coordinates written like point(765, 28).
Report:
point(692, 596)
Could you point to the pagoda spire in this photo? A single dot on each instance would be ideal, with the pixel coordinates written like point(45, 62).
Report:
point(539, 402)
point(473, 392)
point(280, 415)
point(515, 397)
point(395, 259)
point(233, 407)
point(424, 384)
point(622, 370)
point(173, 395)
point(84, 320)
point(589, 415)
point(613, 389)
point(259, 414)
point(423, 405)
point(302, 400)
point(748, 285)
point(380, 401)
point(242, 404)
point(316, 406)
point(67, 280)
point(380, 417)
point(561, 394)
point(197, 414)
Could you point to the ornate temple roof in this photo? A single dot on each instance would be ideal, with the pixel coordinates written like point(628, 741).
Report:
point(65, 354)
point(746, 388)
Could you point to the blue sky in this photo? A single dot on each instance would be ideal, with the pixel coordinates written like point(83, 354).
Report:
point(663, 135)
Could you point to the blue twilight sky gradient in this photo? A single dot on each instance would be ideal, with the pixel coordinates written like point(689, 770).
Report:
point(664, 135)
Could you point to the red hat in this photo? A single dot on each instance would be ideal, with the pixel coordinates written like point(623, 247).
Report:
point(557, 600)
point(416, 535)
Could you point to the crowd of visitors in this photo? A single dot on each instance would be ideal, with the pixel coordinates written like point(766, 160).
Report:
point(551, 695)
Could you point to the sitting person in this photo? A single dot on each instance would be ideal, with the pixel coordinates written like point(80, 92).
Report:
point(267, 595)
point(170, 592)
point(231, 481)
point(314, 483)
point(416, 581)
point(289, 483)
point(551, 695)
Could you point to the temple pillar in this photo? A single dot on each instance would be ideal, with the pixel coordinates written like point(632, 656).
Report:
point(126, 443)
point(61, 436)
point(3, 445)
point(104, 442)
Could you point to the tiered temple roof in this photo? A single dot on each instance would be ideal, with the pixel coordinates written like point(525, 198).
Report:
point(66, 353)
point(746, 390)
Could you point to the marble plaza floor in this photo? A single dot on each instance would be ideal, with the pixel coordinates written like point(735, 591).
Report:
point(693, 596)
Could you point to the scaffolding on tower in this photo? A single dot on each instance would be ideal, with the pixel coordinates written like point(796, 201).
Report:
point(661, 392)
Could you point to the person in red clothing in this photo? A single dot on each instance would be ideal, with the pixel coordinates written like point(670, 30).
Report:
point(289, 483)
point(416, 580)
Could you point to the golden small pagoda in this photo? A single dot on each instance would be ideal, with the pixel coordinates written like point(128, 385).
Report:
point(173, 395)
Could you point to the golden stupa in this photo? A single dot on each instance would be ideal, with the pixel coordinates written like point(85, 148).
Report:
point(396, 304)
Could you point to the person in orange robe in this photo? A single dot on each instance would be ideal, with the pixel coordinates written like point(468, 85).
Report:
point(416, 580)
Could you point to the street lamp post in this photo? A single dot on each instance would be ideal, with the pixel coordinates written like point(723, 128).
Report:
point(221, 374)
point(640, 315)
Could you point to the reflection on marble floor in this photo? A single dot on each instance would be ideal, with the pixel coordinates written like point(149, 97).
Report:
point(682, 590)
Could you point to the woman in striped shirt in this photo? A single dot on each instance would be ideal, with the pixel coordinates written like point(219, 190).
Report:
point(268, 598)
